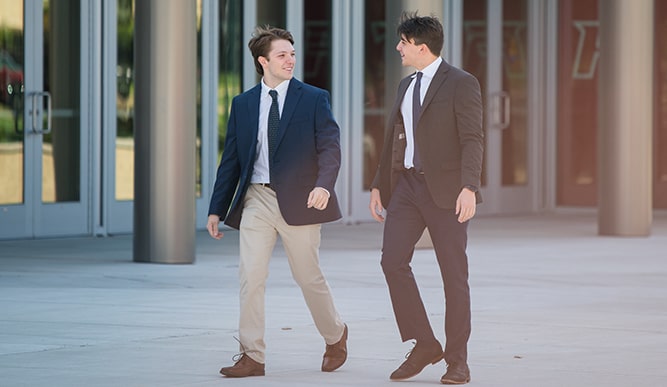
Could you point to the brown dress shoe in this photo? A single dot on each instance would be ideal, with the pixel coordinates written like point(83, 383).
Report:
point(335, 354)
point(456, 374)
point(245, 366)
point(420, 356)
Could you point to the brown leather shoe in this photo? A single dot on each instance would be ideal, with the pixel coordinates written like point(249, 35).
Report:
point(245, 366)
point(456, 374)
point(420, 356)
point(335, 354)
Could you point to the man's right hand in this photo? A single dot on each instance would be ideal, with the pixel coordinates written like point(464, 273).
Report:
point(212, 227)
point(376, 205)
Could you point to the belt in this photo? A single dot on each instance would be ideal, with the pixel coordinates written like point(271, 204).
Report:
point(414, 171)
point(266, 185)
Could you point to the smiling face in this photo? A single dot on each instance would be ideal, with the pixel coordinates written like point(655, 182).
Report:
point(410, 52)
point(279, 64)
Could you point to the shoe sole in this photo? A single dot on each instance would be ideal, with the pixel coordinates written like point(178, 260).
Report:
point(436, 360)
point(450, 381)
point(231, 375)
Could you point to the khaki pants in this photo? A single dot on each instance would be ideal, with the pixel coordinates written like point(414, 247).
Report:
point(261, 224)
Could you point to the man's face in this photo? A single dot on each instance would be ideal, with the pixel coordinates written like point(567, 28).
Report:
point(409, 51)
point(279, 65)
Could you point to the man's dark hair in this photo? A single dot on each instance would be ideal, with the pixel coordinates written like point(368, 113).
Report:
point(260, 43)
point(423, 29)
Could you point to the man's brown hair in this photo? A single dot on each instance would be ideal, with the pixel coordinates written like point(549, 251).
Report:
point(260, 43)
point(423, 29)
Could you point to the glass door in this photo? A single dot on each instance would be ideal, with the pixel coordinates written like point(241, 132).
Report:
point(43, 149)
point(496, 49)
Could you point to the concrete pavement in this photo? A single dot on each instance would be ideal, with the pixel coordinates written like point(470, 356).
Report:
point(553, 305)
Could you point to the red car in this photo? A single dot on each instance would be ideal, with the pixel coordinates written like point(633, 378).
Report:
point(11, 78)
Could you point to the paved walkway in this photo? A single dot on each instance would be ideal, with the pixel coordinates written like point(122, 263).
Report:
point(553, 305)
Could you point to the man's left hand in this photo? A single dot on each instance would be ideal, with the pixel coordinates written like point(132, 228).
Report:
point(466, 204)
point(318, 198)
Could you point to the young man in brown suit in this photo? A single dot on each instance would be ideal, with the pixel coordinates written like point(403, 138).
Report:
point(428, 177)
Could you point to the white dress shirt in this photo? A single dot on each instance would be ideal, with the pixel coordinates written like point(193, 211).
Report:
point(260, 173)
point(406, 108)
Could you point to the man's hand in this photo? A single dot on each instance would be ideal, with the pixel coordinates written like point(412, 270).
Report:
point(376, 205)
point(318, 198)
point(466, 205)
point(212, 227)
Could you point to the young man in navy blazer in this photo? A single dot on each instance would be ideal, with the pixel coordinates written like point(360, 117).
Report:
point(276, 178)
point(428, 177)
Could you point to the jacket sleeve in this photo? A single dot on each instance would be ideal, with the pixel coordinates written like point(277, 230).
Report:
point(468, 107)
point(227, 176)
point(327, 143)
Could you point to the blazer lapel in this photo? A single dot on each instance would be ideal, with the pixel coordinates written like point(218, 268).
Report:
point(434, 87)
point(291, 101)
point(402, 87)
point(253, 119)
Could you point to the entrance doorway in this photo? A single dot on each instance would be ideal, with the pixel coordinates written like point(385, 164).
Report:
point(499, 44)
point(44, 158)
point(497, 49)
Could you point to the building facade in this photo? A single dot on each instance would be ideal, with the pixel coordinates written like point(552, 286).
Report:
point(67, 99)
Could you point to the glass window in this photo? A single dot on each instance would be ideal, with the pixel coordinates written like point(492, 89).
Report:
point(475, 51)
point(11, 102)
point(124, 179)
point(578, 53)
point(273, 13)
point(317, 50)
point(231, 63)
point(375, 36)
point(61, 148)
point(198, 143)
point(125, 101)
point(515, 83)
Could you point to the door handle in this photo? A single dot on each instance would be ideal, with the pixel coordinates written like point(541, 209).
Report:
point(37, 99)
point(501, 110)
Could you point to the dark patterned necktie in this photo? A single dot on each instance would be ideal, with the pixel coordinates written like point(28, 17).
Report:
point(274, 122)
point(416, 112)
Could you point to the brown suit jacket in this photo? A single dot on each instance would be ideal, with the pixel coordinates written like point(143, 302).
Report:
point(450, 137)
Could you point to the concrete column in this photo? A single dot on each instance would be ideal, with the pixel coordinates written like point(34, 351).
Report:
point(625, 127)
point(165, 57)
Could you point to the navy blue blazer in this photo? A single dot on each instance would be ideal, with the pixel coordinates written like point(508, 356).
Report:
point(307, 156)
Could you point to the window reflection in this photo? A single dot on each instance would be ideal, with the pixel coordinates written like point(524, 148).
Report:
point(475, 51)
point(578, 52)
point(125, 101)
point(317, 44)
point(11, 103)
point(124, 179)
point(577, 102)
point(375, 36)
point(61, 149)
point(231, 63)
point(515, 76)
point(273, 13)
point(198, 95)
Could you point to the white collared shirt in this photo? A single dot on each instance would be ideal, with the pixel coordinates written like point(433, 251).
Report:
point(406, 108)
point(260, 173)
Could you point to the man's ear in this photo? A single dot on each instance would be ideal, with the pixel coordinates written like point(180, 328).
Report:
point(262, 60)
